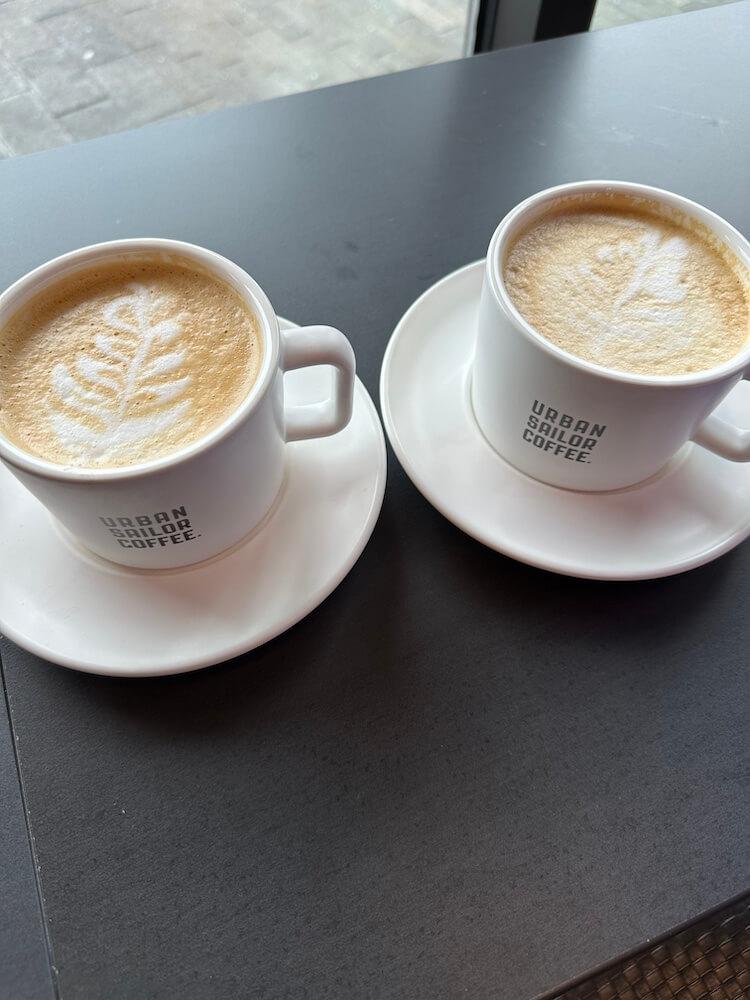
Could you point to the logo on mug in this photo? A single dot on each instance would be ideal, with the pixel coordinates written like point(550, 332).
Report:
point(561, 434)
point(151, 531)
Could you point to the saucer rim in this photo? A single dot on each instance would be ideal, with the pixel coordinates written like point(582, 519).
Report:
point(520, 555)
point(187, 664)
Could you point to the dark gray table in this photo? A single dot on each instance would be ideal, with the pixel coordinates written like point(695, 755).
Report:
point(459, 777)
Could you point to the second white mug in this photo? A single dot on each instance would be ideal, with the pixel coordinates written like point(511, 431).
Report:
point(571, 423)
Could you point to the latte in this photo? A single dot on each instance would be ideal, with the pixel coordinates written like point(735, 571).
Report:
point(126, 361)
point(623, 283)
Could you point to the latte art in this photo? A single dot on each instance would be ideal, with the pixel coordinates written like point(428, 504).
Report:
point(650, 300)
point(125, 362)
point(93, 405)
point(618, 283)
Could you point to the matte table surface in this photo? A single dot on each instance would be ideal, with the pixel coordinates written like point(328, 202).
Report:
point(460, 776)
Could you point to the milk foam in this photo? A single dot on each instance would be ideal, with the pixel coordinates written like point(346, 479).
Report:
point(626, 287)
point(125, 362)
point(97, 394)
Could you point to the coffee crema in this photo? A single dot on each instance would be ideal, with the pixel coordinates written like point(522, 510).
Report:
point(630, 285)
point(125, 361)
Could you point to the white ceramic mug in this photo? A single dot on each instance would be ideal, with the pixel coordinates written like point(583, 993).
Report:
point(193, 504)
point(575, 424)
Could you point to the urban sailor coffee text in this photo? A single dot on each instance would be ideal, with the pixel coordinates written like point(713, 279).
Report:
point(151, 531)
point(561, 434)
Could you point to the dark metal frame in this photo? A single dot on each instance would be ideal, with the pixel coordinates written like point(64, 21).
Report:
point(485, 29)
point(555, 19)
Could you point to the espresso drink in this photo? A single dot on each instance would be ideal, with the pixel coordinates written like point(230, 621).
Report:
point(125, 361)
point(630, 285)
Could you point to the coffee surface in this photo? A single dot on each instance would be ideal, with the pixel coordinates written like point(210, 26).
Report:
point(125, 362)
point(613, 280)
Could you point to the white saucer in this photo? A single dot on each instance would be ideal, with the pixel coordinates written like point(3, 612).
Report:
point(69, 606)
point(694, 510)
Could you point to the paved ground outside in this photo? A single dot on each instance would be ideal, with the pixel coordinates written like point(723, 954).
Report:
point(611, 13)
point(75, 69)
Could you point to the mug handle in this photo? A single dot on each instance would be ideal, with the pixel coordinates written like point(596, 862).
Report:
point(724, 439)
point(304, 347)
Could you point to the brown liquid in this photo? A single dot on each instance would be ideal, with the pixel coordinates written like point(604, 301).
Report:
point(624, 284)
point(125, 362)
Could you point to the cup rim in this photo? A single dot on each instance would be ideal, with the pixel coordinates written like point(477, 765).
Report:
point(727, 233)
point(223, 268)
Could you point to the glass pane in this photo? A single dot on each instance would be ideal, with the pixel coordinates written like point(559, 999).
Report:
point(75, 69)
point(610, 13)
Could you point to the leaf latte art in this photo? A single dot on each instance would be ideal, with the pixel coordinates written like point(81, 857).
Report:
point(125, 363)
point(97, 396)
point(615, 281)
